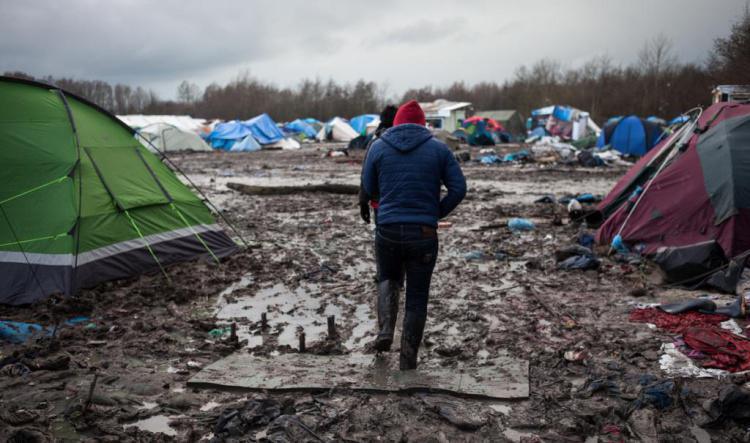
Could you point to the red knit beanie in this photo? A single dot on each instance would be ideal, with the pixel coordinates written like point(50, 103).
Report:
point(409, 112)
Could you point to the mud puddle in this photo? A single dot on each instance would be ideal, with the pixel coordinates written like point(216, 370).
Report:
point(157, 423)
point(292, 310)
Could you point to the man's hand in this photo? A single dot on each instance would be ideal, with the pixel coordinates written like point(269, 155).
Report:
point(364, 212)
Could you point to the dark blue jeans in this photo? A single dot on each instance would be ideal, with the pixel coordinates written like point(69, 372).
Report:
point(409, 250)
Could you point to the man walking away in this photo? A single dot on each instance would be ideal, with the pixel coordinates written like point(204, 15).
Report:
point(406, 168)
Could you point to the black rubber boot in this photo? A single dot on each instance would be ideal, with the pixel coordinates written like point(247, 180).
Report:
point(387, 314)
point(411, 338)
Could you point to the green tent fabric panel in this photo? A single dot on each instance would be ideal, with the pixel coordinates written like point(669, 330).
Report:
point(124, 175)
point(37, 216)
point(176, 189)
point(33, 154)
point(20, 102)
point(36, 139)
point(196, 213)
point(114, 227)
point(99, 130)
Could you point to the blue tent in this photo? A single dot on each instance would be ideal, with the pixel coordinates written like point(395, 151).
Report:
point(359, 123)
point(630, 135)
point(226, 134)
point(301, 127)
point(248, 144)
point(264, 129)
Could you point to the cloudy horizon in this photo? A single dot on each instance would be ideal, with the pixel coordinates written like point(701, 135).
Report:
point(399, 46)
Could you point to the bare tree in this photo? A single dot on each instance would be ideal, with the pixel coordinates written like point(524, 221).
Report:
point(188, 92)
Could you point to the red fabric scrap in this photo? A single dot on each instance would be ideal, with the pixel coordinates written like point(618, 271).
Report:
point(723, 349)
point(675, 323)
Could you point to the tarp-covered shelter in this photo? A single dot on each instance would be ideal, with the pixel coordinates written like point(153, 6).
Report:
point(226, 134)
point(264, 129)
point(337, 130)
point(301, 127)
point(565, 122)
point(361, 122)
point(163, 137)
point(699, 203)
point(82, 201)
point(630, 135)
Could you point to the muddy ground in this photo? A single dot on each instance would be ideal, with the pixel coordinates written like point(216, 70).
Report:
point(309, 257)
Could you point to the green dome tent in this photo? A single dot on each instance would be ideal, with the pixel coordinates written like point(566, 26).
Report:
point(82, 201)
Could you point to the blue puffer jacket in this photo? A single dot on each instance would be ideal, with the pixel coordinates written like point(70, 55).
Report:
point(406, 167)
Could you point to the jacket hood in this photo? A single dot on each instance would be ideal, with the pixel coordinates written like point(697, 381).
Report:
point(406, 137)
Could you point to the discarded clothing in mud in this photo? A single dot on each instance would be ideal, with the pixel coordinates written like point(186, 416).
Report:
point(579, 262)
point(605, 385)
point(658, 395)
point(733, 403)
point(677, 323)
point(723, 349)
point(586, 240)
point(576, 257)
point(238, 422)
point(736, 309)
point(702, 304)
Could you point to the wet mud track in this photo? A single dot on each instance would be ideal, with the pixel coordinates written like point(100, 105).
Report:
point(310, 257)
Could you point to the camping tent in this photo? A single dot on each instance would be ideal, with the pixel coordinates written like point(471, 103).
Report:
point(162, 137)
point(630, 135)
point(360, 122)
point(82, 201)
point(337, 130)
point(701, 198)
point(183, 122)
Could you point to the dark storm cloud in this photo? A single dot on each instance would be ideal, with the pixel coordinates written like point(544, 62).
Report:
point(157, 44)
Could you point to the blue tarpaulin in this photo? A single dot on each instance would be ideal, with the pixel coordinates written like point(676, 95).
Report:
point(264, 129)
point(301, 127)
point(359, 123)
point(247, 144)
point(226, 134)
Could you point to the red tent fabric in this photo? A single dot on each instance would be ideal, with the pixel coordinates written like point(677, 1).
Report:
point(492, 124)
point(698, 197)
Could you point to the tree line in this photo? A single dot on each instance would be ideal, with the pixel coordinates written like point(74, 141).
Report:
point(656, 84)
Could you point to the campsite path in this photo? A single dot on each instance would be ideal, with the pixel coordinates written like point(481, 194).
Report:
point(494, 292)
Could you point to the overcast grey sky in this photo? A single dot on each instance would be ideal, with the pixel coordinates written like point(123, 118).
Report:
point(401, 44)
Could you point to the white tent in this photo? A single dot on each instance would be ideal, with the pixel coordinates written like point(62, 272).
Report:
point(183, 122)
point(168, 138)
point(337, 130)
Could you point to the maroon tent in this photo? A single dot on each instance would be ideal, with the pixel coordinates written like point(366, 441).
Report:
point(699, 201)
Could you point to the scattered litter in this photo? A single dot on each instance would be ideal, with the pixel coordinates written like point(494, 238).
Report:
point(520, 224)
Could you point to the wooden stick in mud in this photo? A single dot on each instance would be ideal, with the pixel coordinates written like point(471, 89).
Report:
point(90, 397)
point(329, 188)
